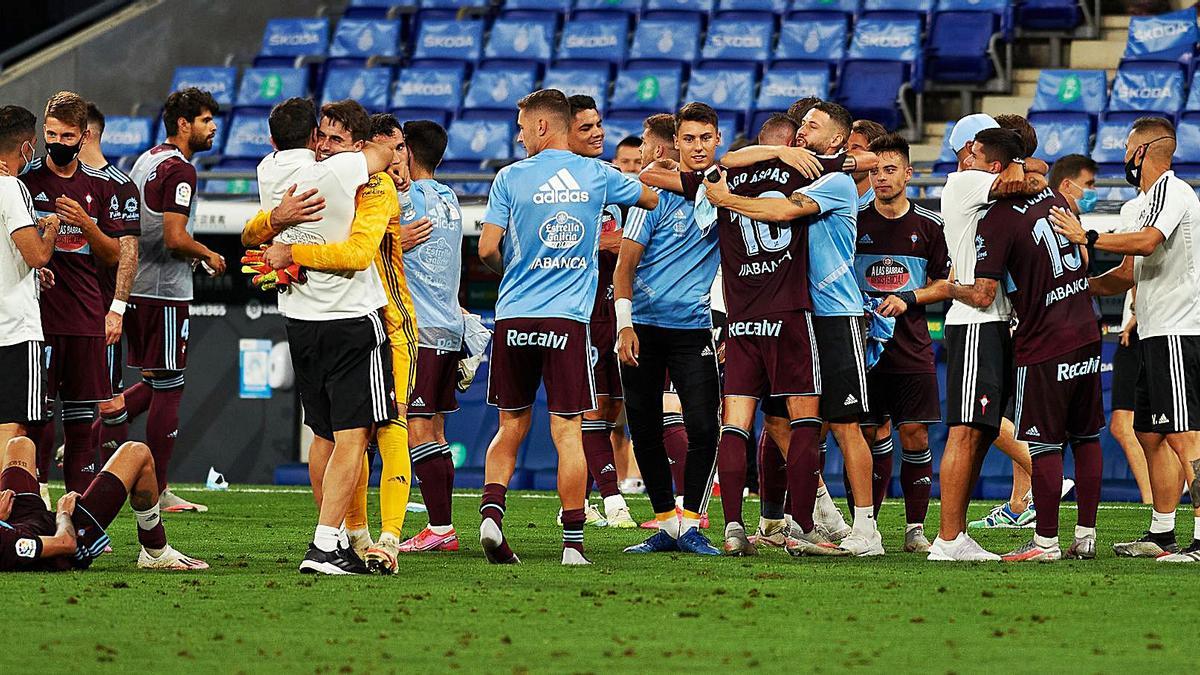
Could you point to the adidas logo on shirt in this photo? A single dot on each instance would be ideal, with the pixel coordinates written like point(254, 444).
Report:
point(707, 351)
point(419, 403)
point(866, 239)
point(562, 188)
point(41, 197)
point(1033, 431)
point(850, 400)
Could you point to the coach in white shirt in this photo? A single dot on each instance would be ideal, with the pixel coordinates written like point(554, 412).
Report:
point(338, 343)
point(1163, 259)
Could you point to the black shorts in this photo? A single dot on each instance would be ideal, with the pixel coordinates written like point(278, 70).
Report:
point(78, 368)
point(343, 373)
point(979, 373)
point(157, 333)
point(903, 398)
point(437, 378)
point(605, 368)
point(775, 355)
point(1059, 400)
point(528, 351)
point(25, 383)
point(1125, 362)
point(841, 349)
point(1168, 385)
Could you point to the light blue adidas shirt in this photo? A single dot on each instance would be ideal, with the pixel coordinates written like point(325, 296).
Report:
point(865, 198)
point(672, 282)
point(549, 206)
point(831, 235)
point(434, 268)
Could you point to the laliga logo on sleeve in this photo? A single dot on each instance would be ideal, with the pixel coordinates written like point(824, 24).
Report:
point(561, 231)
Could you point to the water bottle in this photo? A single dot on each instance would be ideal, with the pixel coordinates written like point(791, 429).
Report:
point(408, 212)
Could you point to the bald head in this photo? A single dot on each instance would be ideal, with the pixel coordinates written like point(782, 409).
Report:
point(779, 129)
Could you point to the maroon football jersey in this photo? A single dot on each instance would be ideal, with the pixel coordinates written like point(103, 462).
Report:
point(898, 255)
point(75, 305)
point(1051, 301)
point(764, 266)
point(604, 312)
point(124, 205)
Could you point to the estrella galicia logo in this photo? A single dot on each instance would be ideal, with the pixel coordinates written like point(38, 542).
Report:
point(561, 231)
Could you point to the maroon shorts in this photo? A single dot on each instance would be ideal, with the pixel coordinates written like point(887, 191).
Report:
point(526, 351)
point(437, 376)
point(157, 332)
point(773, 355)
point(1059, 400)
point(605, 367)
point(78, 369)
point(116, 367)
point(904, 398)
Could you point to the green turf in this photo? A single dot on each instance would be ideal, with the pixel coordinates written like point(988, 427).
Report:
point(253, 612)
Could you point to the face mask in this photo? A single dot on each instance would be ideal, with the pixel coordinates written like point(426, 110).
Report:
point(28, 160)
point(62, 154)
point(1133, 168)
point(1087, 202)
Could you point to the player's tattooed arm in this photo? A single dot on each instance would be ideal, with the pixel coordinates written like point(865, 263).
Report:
point(126, 267)
point(859, 160)
point(489, 247)
point(763, 209)
point(980, 294)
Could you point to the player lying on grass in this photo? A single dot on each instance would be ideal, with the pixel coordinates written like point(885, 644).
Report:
point(33, 538)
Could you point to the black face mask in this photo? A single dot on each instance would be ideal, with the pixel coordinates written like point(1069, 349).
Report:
point(1133, 166)
point(62, 154)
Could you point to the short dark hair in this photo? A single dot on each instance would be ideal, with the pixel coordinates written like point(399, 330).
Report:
point(800, 108)
point(1001, 145)
point(351, 115)
point(581, 102)
point(292, 123)
point(776, 120)
point(1068, 167)
point(551, 101)
point(383, 124)
point(16, 125)
point(69, 108)
point(95, 117)
point(189, 104)
point(634, 142)
point(1162, 124)
point(426, 142)
point(661, 125)
point(838, 115)
point(891, 142)
point(1029, 139)
point(696, 112)
point(868, 128)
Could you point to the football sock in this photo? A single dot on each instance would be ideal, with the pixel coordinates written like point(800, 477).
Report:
point(151, 534)
point(429, 465)
point(772, 481)
point(395, 483)
point(162, 421)
point(1089, 473)
point(823, 449)
point(1047, 487)
point(825, 501)
point(881, 471)
point(326, 538)
point(112, 432)
point(1196, 528)
point(688, 520)
point(598, 451)
point(864, 519)
point(137, 399)
point(675, 440)
point(343, 536)
point(100, 503)
point(803, 469)
point(448, 462)
point(1161, 523)
point(572, 526)
point(669, 522)
point(731, 466)
point(916, 480)
point(614, 502)
point(79, 455)
point(1044, 541)
point(492, 506)
point(1085, 532)
point(42, 436)
point(356, 514)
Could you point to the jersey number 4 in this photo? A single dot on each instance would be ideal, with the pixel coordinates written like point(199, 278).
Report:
point(1063, 254)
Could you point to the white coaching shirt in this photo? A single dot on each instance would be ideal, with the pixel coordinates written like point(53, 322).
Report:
point(325, 296)
point(964, 203)
point(1129, 218)
point(1168, 280)
point(20, 315)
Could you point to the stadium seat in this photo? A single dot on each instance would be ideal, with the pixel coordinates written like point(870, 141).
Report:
point(580, 79)
point(596, 39)
point(361, 39)
point(733, 7)
point(249, 137)
point(455, 5)
point(449, 39)
point(689, 6)
point(1147, 87)
point(429, 86)
point(813, 36)
point(782, 86)
point(1109, 150)
point(947, 161)
point(729, 90)
point(1165, 37)
point(232, 186)
point(522, 38)
point(368, 86)
point(220, 82)
point(1187, 148)
point(499, 87)
point(1060, 134)
point(673, 39)
point(1049, 15)
point(286, 41)
point(883, 62)
point(480, 140)
point(618, 125)
point(125, 136)
point(377, 9)
point(846, 7)
point(559, 6)
point(607, 8)
point(1078, 91)
point(1193, 99)
point(648, 88)
point(739, 39)
point(961, 46)
point(264, 87)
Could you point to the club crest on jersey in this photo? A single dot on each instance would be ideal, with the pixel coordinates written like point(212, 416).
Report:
point(561, 231)
point(679, 223)
point(435, 256)
point(562, 188)
point(888, 274)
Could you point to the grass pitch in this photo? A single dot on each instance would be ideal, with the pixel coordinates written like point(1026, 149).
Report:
point(254, 613)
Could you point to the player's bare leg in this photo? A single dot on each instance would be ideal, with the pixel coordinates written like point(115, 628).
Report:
point(1017, 511)
point(572, 484)
point(334, 471)
point(1185, 448)
point(864, 539)
point(879, 439)
point(965, 447)
point(737, 419)
point(804, 476)
point(319, 452)
point(1121, 427)
point(434, 467)
point(1162, 467)
point(499, 466)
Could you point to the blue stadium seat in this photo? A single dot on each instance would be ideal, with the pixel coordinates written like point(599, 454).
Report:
point(249, 137)
point(913, 6)
point(884, 57)
point(232, 186)
point(1165, 37)
point(1187, 147)
point(813, 36)
point(523, 38)
point(690, 6)
point(125, 136)
point(364, 38)
point(1056, 15)
point(947, 161)
point(368, 86)
point(739, 39)
point(1147, 87)
point(499, 87)
point(264, 87)
point(455, 4)
point(674, 39)
point(618, 125)
point(220, 82)
point(376, 9)
point(601, 8)
point(648, 88)
point(449, 39)
point(480, 140)
point(729, 90)
point(429, 86)
point(1109, 150)
point(783, 85)
point(439, 115)
point(958, 46)
point(595, 39)
point(559, 6)
point(737, 6)
point(573, 80)
point(847, 7)
point(285, 40)
point(1060, 134)
point(1082, 91)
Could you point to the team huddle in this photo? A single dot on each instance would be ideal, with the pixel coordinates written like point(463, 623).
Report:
point(684, 291)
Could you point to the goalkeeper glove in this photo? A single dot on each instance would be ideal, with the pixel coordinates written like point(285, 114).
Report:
point(267, 278)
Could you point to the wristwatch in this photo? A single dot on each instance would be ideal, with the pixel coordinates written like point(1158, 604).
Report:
point(1092, 236)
